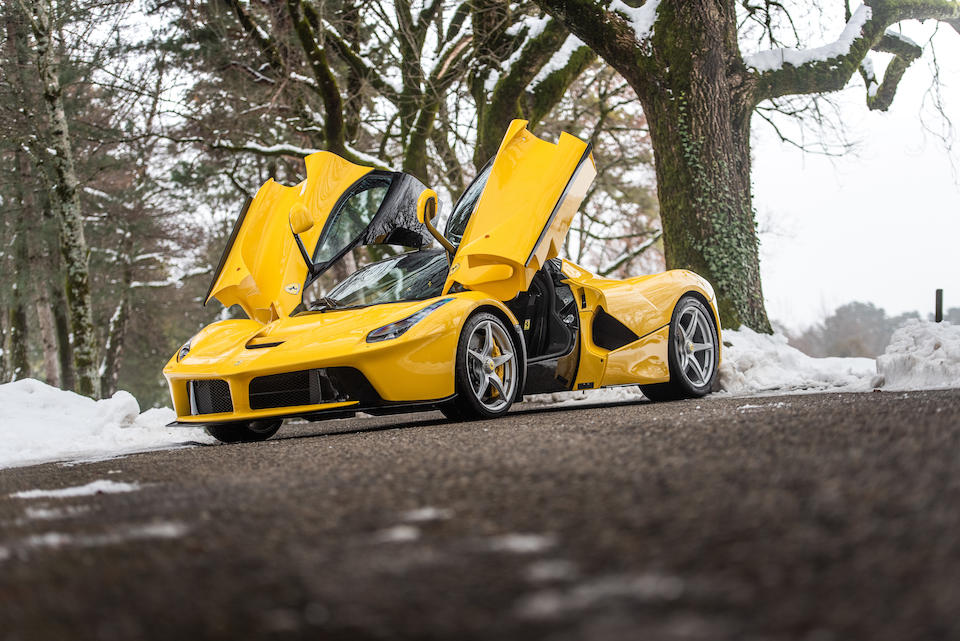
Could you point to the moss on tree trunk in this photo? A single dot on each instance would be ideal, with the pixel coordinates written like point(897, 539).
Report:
point(700, 127)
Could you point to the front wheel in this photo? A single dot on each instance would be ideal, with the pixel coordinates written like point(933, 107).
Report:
point(244, 432)
point(693, 353)
point(487, 370)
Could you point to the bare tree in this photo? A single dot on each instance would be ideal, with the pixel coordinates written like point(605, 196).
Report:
point(67, 202)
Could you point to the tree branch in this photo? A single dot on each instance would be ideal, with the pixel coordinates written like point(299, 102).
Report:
point(626, 257)
point(334, 130)
point(359, 65)
point(905, 51)
point(551, 89)
point(781, 72)
point(608, 33)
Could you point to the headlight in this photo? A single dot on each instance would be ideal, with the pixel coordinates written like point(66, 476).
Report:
point(397, 328)
point(184, 350)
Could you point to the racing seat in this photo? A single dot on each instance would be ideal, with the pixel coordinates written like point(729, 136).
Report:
point(547, 313)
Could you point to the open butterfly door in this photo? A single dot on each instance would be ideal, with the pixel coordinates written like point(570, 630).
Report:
point(261, 268)
point(523, 215)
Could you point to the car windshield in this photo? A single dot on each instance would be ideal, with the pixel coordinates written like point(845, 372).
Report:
point(411, 276)
point(457, 223)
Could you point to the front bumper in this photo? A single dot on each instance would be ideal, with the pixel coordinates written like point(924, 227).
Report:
point(417, 367)
point(293, 393)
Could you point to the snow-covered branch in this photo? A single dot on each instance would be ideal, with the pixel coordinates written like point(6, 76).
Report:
point(788, 71)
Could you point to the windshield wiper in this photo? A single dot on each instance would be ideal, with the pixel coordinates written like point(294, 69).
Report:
point(325, 302)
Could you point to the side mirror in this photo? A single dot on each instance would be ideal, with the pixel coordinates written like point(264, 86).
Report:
point(300, 219)
point(426, 212)
point(427, 206)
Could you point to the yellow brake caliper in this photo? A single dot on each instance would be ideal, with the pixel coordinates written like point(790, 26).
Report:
point(494, 353)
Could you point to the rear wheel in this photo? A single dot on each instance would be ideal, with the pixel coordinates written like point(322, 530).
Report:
point(487, 370)
point(693, 353)
point(244, 432)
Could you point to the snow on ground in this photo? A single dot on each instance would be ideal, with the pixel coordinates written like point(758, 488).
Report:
point(757, 363)
point(752, 364)
point(921, 355)
point(96, 487)
point(522, 543)
point(159, 530)
point(40, 423)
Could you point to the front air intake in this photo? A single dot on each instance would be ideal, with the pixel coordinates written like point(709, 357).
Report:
point(285, 390)
point(209, 397)
point(310, 387)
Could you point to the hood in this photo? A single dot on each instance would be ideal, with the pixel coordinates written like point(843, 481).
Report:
point(242, 344)
point(261, 268)
point(532, 192)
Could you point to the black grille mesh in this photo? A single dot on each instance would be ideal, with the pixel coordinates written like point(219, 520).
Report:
point(210, 397)
point(284, 390)
point(310, 387)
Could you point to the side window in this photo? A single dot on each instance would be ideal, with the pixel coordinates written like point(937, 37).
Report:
point(353, 215)
point(457, 223)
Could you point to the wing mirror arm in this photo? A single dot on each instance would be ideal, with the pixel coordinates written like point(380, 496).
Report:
point(301, 222)
point(426, 212)
point(311, 267)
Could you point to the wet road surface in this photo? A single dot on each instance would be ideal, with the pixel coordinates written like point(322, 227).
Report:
point(815, 517)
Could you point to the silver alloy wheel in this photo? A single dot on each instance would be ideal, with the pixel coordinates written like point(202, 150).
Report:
point(491, 365)
point(696, 346)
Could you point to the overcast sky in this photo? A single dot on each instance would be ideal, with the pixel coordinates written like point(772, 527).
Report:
point(881, 224)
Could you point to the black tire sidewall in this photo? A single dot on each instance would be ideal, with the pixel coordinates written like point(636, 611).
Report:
point(241, 432)
point(676, 376)
point(466, 404)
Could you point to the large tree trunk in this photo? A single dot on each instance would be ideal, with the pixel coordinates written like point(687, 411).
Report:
point(37, 269)
point(17, 339)
point(116, 331)
point(4, 350)
point(19, 295)
point(698, 106)
point(17, 321)
point(58, 303)
point(73, 244)
point(113, 348)
point(700, 128)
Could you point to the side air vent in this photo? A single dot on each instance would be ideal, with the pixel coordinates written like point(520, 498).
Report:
point(209, 397)
point(609, 333)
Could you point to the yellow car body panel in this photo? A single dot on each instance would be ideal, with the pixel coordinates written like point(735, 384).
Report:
point(501, 251)
point(645, 305)
point(417, 366)
point(262, 270)
point(518, 224)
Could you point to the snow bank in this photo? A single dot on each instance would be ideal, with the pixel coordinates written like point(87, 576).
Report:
point(754, 363)
point(40, 423)
point(921, 355)
point(624, 394)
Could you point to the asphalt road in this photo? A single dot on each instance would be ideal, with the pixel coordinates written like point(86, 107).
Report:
point(803, 517)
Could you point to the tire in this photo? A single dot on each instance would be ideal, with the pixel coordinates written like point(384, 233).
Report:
point(244, 432)
point(450, 411)
point(487, 372)
point(693, 353)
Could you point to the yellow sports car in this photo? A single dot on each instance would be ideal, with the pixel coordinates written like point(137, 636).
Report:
point(468, 328)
